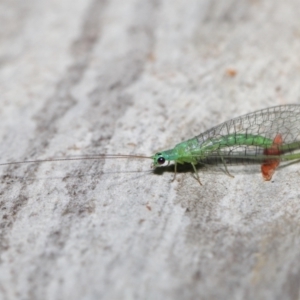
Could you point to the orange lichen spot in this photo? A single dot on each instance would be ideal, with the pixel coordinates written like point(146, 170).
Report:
point(132, 144)
point(151, 57)
point(269, 165)
point(231, 72)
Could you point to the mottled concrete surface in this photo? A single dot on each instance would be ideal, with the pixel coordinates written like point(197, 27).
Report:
point(96, 76)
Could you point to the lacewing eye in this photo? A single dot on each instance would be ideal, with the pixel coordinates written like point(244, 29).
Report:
point(161, 160)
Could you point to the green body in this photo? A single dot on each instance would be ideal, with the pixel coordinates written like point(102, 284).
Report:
point(242, 140)
point(191, 151)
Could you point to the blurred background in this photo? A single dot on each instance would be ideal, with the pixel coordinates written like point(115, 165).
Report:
point(136, 77)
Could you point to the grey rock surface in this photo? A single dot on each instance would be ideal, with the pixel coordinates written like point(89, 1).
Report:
point(134, 77)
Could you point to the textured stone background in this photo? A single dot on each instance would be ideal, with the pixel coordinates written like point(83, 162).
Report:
point(96, 76)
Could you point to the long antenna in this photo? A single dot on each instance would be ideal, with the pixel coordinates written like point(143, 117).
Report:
point(86, 157)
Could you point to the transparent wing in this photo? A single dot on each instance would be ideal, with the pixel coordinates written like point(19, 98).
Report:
point(279, 120)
